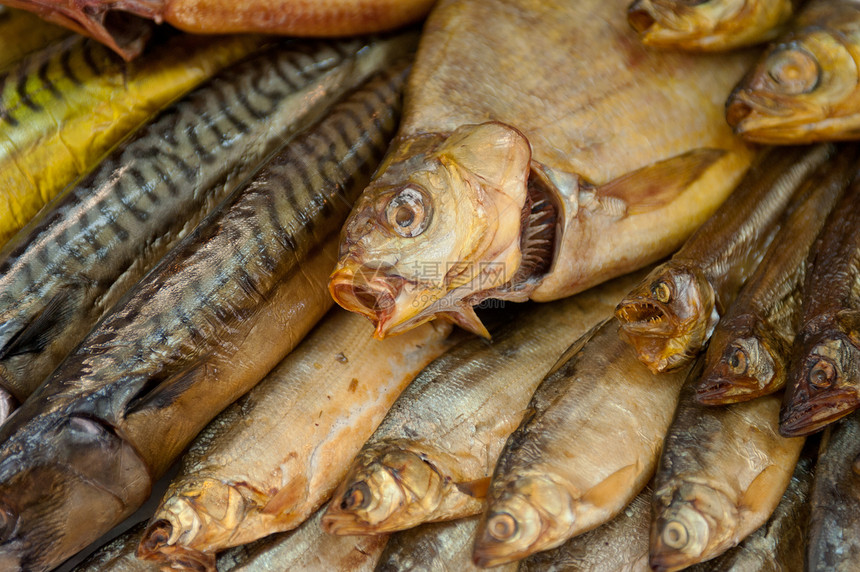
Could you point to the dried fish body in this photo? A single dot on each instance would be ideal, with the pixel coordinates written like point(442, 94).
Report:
point(434, 453)
point(206, 324)
point(520, 172)
point(561, 473)
point(722, 473)
point(118, 555)
point(749, 352)
point(82, 253)
point(22, 33)
point(272, 459)
point(671, 314)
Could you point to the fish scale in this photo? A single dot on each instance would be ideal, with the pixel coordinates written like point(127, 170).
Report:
point(97, 239)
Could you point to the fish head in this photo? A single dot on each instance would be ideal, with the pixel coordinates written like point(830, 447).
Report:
point(383, 492)
point(441, 223)
point(794, 92)
point(823, 385)
point(740, 365)
point(530, 514)
point(669, 316)
point(691, 523)
point(671, 22)
point(61, 487)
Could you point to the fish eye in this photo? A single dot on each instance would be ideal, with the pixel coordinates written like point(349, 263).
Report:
point(822, 374)
point(675, 535)
point(793, 70)
point(502, 526)
point(358, 496)
point(738, 360)
point(661, 291)
point(408, 213)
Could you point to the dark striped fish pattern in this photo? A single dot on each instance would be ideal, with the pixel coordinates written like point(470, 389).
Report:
point(206, 324)
point(71, 264)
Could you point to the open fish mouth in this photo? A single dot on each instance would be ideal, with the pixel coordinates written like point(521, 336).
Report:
point(156, 546)
point(646, 317)
point(807, 418)
point(748, 110)
point(719, 390)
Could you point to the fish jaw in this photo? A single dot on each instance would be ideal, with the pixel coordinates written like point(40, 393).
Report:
point(691, 523)
point(668, 23)
point(822, 387)
point(669, 316)
point(385, 491)
point(441, 224)
point(794, 93)
point(528, 515)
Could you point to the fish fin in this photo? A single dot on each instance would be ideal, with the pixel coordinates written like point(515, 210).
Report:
point(576, 346)
point(652, 187)
point(288, 497)
point(158, 393)
point(37, 333)
point(607, 492)
point(849, 322)
point(761, 495)
point(465, 317)
point(477, 488)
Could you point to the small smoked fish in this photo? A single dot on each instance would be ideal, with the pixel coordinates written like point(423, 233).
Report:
point(268, 462)
point(562, 472)
point(619, 545)
point(305, 549)
point(204, 326)
point(749, 351)
point(834, 526)
point(722, 473)
point(805, 87)
point(118, 555)
point(823, 381)
point(22, 33)
point(713, 25)
point(63, 108)
point(433, 455)
point(671, 314)
point(434, 547)
point(119, 25)
point(80, 255)
point(522, 172)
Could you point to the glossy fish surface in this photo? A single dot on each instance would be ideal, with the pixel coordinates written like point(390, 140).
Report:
point(432, 456)
point(750, 349)
point(68, 268)
point(561, 472)
point(805, 87)
point(62, 108)
point(823, 382)
point(22, 33)
point(241, 478)
point(520, 172)
point(713, 25)
point(205, 325)
point(722, 473)
point(671, 314)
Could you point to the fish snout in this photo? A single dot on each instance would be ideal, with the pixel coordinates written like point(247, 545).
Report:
point(678, 541)
point(368, 290)
point(639, 16)
point(159, 544)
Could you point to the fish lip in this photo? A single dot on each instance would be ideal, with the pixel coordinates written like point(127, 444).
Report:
point(154, 547)
point(367, 291)
point(637, 318)
point(639, 17)
point(748, 111)
point(716, 389)
point(793, 419)
point(345, 524)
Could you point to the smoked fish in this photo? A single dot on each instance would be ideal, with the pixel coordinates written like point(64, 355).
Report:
point(749, 351)
point(262, 467)
point(68, 268)
point(714, 25)
point(433, 454)
point(64, 107)
point(671, 314)
point(834, 525)
point(122, 26)
point(205, 325)
point(805, 87)
point(823, 381)
point(118, 555)
point(522, 172)
point(22, 33)
point(562, 472)
point(722, 473)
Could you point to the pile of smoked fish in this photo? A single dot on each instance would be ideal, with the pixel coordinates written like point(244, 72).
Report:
point(598, 267)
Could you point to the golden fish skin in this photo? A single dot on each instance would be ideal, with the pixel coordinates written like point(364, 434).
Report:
point(22, 33)
point(520, 172)
point(440, 441)
point(306, 549)
point(208, 322)
point(561, 472)
point(716, 25)
point(834, 526)
point(671, 314)
point(722, 473)
point(241, 477)
point(749, 352)
point(805, 87)
point(63, 108)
